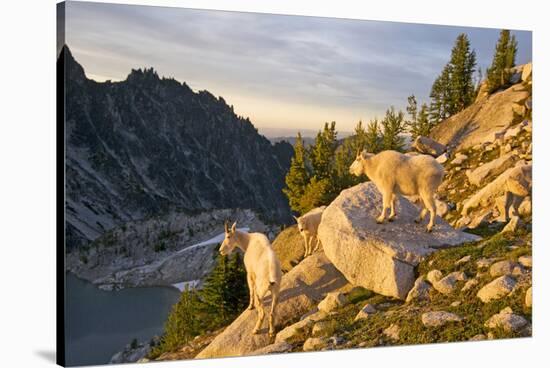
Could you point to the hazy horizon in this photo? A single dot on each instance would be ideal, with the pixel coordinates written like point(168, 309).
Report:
point(286, 73)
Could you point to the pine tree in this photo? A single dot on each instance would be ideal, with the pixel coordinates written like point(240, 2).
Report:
point(322, 152)
point(184, 322)
point(359, 140)
point(297, 177)
point(412, 123)
point(462, 67)
point(223, 296)
point(315, 195)
point(412, 109)
point(504, 58)
point(454, 89)
point(373, 137)
point(225, 291)
point(440, 96)
point(393, 126)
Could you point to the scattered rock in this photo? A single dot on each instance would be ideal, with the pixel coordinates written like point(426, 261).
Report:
point(529, 298)
point(428, 146)
point(518, 270)
point(433, 276)
point(526, 261)
point(439, 318)
point(447, 284)
point(513, 225)
point(275, 348)
point(441, 208)
point(332, 302)
point(320, 327)
point(419, 291)
point(392, 332)
point(463, 260)
point(482, 218)
point(469, 284)
point(297, 331)
point(496, 289)
point(442, 158)
point(502, 268)
point(514, 131)
point(380, 257)
point(314, 315)
point(479, 337)
point(519, 174)
point(315, 343)
point(492, 168)
point(336, 340)
point(484, 262)
point(508, 321)
point(365, 312)
point(455, 303)
point(526, 207)
point(459, 159)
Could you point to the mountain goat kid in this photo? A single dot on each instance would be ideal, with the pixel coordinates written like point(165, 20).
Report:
point(263, 270)
point(307, 226)
point(395, 173)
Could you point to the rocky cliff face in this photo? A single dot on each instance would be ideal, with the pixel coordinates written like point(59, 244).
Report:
point(149, 145)
point(490, 114)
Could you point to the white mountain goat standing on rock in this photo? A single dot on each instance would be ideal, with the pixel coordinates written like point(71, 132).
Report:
point(395, 173)
point(307, 226)
point(263, 270)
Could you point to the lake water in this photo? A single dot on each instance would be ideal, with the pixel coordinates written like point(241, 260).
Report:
point(100, 323)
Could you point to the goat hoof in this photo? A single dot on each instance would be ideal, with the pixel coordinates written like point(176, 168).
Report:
point(378, 221)
point(428, 229)
point(417, 220)
point(391, 219)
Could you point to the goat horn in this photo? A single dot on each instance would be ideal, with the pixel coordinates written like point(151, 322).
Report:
point(225, 226)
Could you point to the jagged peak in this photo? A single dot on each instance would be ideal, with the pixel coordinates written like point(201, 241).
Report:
point(73, 69)
point(145, 74)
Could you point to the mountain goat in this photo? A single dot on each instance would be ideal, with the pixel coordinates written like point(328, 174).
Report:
point(263, 270)
point(308, 225)
point(395, 173)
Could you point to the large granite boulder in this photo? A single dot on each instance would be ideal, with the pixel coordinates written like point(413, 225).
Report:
point(380, 257)
point(428, 146)
point(301, 290)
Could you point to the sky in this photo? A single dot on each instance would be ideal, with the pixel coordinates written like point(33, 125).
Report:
point(286, 73)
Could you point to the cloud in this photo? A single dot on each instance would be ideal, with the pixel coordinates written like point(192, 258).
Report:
point(279, 70)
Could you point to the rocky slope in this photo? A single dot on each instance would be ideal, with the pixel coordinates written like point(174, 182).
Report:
point(403, 286)
point(490, 114)
point(148, 145)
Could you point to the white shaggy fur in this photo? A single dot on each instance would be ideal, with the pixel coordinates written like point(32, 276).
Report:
point(307, 226)
point(263, 270)
point(395, 173)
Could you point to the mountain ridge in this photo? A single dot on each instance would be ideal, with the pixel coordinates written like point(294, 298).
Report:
point(147, 145)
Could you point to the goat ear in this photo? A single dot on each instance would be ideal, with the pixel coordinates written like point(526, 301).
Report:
point(365, 155)
point(234, 227)
point(295, 218)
